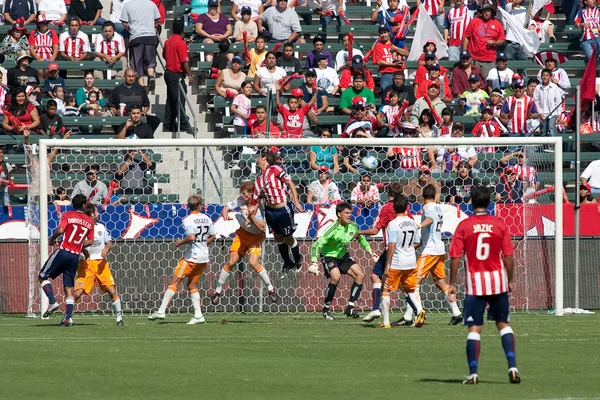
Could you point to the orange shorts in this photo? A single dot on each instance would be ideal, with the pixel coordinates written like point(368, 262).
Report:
point(428, 264)
point(405, 277)
point(246, 242)
point(190, 270)
point(93, 271)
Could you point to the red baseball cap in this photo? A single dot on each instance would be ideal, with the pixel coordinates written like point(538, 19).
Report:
point(297, 92)
point(53, 66)
point(585, 186)
point(324, 168)
point(424, 168)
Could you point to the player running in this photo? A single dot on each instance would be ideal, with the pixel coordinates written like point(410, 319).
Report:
point(433, 257)
point(401, 261)
point(94, 268)
point(278, 211)
point(487, 246)
point(333, 247)
point(77, 230)
point(248, 239)
point(199, 233)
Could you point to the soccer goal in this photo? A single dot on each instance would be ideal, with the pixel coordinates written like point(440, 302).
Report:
point(142, 186)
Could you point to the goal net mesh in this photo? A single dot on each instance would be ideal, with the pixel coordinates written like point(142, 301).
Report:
point(143, 213)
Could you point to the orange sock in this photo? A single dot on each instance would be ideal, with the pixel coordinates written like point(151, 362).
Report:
point(173, 288)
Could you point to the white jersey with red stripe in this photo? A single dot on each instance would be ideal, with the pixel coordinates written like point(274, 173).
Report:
point(562, 77)
point(3, 94)
point(409, 157)
point(517, 110)
point(270, 185)
point(42, 43)
point(456, 22)
point(391, 116)
point(433, 7)
point(525, 172)
point(589, 16)
point(110, 47)
point(74, 46)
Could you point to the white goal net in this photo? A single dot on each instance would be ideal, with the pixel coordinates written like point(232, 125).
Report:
point(149, 181)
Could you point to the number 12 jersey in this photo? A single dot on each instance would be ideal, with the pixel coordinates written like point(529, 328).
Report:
point(202, 226)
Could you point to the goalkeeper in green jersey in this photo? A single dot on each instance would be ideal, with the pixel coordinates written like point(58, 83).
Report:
point(333, 248)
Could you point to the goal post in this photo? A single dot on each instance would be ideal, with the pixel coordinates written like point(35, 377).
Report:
point(304, 293)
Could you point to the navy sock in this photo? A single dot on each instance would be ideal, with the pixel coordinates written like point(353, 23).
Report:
point(355, 292)
point(473, 344)
point(508, 343)
point(285, 253)
point(47, 287)
point(70, 305)
point(376, 297)
point(411, 304)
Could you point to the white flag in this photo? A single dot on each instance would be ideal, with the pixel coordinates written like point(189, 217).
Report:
point(426, 31)
point(538, 5)
point(515, 32)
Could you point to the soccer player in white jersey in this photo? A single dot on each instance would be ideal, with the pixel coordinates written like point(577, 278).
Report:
point(433, 257)
point(401, 261)
point(93, 267)
point(199, 233)
point(248, 240)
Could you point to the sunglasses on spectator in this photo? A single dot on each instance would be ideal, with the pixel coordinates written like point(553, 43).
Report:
point(359, 109)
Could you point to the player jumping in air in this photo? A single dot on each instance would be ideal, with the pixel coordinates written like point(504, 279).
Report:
point(199, 233)
point(279, 214)
point(333, 248)
point(94, 268)
point(433, 257)
point(401, 261)
point(248, 239)
point(487, 246)
point(77, 230)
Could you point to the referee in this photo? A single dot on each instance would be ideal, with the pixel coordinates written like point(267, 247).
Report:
point(177, 61)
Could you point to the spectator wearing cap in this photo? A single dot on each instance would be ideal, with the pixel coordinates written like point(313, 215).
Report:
point(323, 191)
point(487, 126)
point(433, 92)
point(501, 76)
point(382, 57)
point(461, 72)
point(318, 44)
point(43, 42)
point(509, 189)
point(177, 60)
point(88, 11)
point(398, 86)
point(52, 80)
point(213, 26)
point(342, 60)
point(414, 187)
point(53, 11)
point(474, 100)
point(324, 156)
point(559, 75)
point(360, 121)
point(16, 9)
point(365, 193)
point(251, 7)
point(591, 176)
point(585, 195)
point(408, 158)
point(483, 37)
point(455, 23)
point(293, 117)
point(359, 90)
point(327, 78)
point(288, 61)
point(266, 77)
point(241, 108)
point(524, 171)
point(18, 75)
point(358, 68)
point(308, 88)
point(283, 23)
point(244, 23)
point(517, 109)
point(429, 47)
point(229, 81)
point(435, 75)
point(110, 48)
point(549, 98)
point(423, 72)
point(74, 45)
point(15, 41)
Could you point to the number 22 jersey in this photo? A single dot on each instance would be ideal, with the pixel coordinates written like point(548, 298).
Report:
point(202, 226)
point(432, 234)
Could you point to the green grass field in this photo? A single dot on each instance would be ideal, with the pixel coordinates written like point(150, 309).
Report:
point(291, 357)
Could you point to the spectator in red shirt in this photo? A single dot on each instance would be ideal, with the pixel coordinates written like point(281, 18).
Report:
point(258, 125)
point(483, 37)
point(422, 75)
point(43, 42)
point(382, 56)
point(358, 67)
point(293, 118)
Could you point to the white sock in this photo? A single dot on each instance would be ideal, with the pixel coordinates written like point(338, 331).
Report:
point(118, 311)
point(196, 302)
point(408, 315)
point(416, 299)
point(222, 279)
point(265, 278)
point(453, 306)
point(294, 244)
point(165, 301)
point(385, 309)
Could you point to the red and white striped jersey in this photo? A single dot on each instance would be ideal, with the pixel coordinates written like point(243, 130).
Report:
point(590, 16)
point(518, 110)
point(3, 94)
point(270, 185)
point(109, 47)
point(363, 195)
point(456, 22)
point(409, 157)
point(525, 172)
point(42, 42)
point(74, 46)
point(433, 7)
point(484, 239)
point(391, 116)
point(486, 129)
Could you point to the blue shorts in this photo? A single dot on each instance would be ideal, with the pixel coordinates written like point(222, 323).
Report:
point(61, 262)
point(380, 265)
point(281, 220)
point(499, 310)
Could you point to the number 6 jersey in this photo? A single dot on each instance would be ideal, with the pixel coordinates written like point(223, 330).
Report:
point(202, 226)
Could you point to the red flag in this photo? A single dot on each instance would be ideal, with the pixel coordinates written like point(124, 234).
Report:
point(588, 81)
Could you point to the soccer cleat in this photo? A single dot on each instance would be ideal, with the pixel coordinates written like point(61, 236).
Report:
point(403, 322)
point(52, 308)
point(472, 379)
point(67, 323)
point(156, 315)
point(327, 315)
point(120, 323)
point(388, 326)
point(215, 298)
point(351, 313)
point(513, 376)
point(373, 315)
point(455, 320)
point(273, 296)
point(297, 264)
point(286, 268)
point(195, 321)
point(420, 321)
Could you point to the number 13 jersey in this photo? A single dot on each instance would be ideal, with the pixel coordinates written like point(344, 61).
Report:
point(432, 234)
point(202, 226)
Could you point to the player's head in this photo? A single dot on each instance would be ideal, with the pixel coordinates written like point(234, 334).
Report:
point(344, 213)
point(270, 157)
point(480, 197)
point(400, 204)
point(91, 211)
point(429, 192)
point(246, 190)
point(195, 202)
point(394, 189)
point(79, 201)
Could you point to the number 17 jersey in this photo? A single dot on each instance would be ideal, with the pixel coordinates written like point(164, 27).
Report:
point(202, 226)
point(432, 234)
point(404, 233)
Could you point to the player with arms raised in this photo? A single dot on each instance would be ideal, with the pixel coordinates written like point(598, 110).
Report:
point(333, 247)
point(94, 268)
point(248, 239)
point(77, 230)
point(279, 214)
point(487, 246)
point(199, 233)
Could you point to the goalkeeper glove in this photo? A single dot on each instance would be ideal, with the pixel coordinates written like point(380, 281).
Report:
point(313, 268)
point(375, 257)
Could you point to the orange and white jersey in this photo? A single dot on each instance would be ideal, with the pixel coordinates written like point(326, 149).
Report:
point(202, 226)
point(240, 205)
point(432, 233)
point(403, 231)
point(101, 238)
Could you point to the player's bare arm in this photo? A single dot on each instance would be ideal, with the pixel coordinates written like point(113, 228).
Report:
point(454, 265)
point(211, 239)
point(509, 263)
point(185, 240)
point(388, 261)
point(260, 224)
point(57, 233)
point(294, 195)
point(225, 213)
point(106, 250)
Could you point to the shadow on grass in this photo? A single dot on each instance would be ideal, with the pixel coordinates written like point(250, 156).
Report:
point(57, 325)
point(453, 381)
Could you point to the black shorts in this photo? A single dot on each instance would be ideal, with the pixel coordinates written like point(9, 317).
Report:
point(61, 262)
point(343, 264)
point(281, 220)
point(141, 57)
